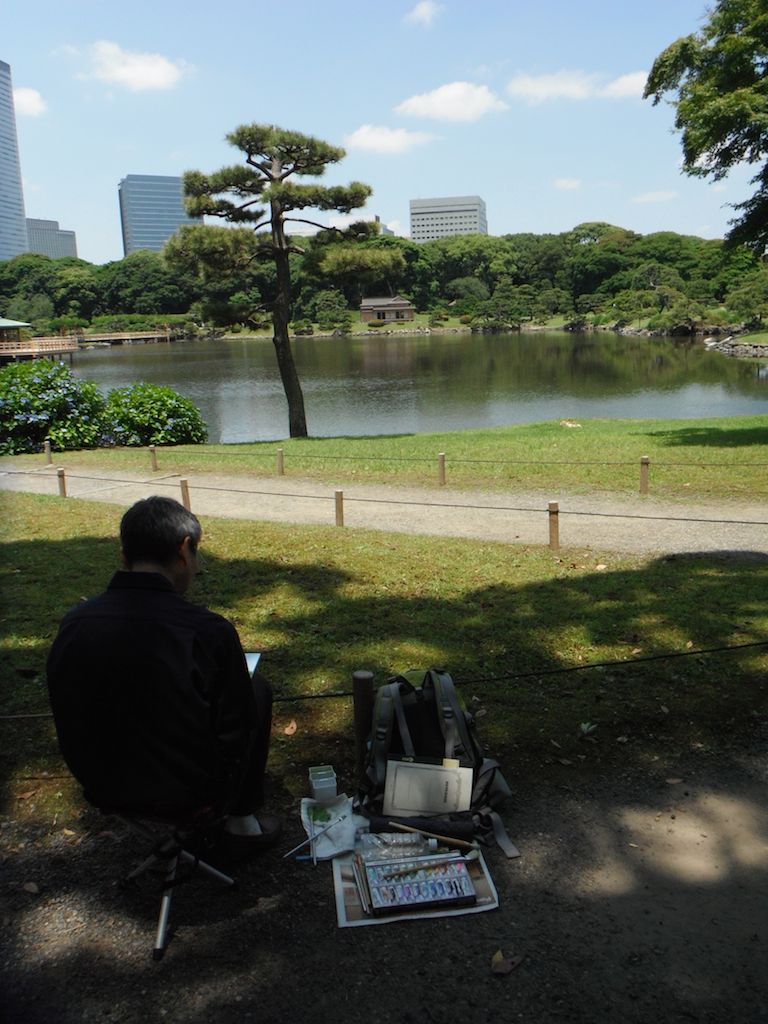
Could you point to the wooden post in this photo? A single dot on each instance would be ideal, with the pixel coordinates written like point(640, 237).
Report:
point(339, 495)
point(554, 525)
point(644, 464)
point(47, 451)
point(185, 494)
point(280, 462)
point(153, 457)
point(62, 483)
point(362, 699)
point(441, 469)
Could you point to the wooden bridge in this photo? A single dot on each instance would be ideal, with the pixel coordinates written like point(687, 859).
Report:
point(38, 348)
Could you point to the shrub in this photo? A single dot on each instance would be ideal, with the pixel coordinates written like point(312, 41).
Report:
point(41, 399)
point(150, 414)
point(303, 327)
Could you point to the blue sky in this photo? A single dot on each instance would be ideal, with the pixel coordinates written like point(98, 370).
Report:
point(536, 107)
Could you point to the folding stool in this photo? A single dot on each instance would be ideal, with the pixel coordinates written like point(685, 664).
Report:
point(168, 849)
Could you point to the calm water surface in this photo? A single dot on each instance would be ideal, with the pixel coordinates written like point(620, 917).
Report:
point(418, 383)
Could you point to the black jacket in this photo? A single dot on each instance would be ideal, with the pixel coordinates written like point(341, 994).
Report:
point(151, 697)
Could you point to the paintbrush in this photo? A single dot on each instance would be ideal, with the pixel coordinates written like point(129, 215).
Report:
point(315, 836)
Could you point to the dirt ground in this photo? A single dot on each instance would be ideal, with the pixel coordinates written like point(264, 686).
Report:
point(639, 899)
point(623, 522)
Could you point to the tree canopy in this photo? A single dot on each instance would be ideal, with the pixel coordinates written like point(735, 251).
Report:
point(259, 194)
point(719, 76)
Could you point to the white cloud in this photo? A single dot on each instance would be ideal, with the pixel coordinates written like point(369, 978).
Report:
point(574, 85)
point(629, 85)
point(567, 183)
point(398, 228)
point(719, 187)
point(661, 196)
point(379, 139)
point(28, 102)
point(138, 72)
point(569, 85)
point(457, 101)
point(424, 13)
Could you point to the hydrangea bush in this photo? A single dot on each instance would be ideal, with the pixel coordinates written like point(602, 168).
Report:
point(41, 399)
point(151, 414)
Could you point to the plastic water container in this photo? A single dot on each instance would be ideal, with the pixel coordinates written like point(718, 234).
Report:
point(322, 782)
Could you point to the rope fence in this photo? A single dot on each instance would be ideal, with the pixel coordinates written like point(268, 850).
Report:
point(506, 677)
point(644, 464)
point(553, 510)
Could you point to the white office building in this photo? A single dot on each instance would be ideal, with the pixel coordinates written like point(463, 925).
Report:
point(47, 238)
point(447, 215)
point(13, 225)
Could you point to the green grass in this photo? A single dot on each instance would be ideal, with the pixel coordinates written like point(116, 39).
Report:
point(707, 458)
point(759, 338)
point(322, 602)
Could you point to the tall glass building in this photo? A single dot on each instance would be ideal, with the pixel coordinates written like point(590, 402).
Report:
point(13, 224)
point(151, 210)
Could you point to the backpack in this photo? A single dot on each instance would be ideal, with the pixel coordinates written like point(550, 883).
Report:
point(419, 716)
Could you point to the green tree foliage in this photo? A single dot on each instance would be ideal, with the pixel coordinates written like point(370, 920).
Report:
point(42, 398)
point(143, 283)
point(718, 76)
point(150, 414)
point(263, 193)
point(330, 313)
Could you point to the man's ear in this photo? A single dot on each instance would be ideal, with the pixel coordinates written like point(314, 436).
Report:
point(186, 550)
point(124, 560)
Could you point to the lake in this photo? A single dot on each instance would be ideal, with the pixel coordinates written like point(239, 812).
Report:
point(424, 383)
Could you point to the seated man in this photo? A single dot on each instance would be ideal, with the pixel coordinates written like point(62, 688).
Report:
point(155, 710)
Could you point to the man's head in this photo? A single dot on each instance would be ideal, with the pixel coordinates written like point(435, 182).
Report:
point(159, 534)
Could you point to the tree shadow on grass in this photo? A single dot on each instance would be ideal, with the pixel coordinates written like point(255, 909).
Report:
point(607, 933)
point(711, 437)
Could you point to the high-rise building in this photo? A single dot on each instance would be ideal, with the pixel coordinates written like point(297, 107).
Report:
point(448, 215)
point(46, 237)
point(13, 226)
point(151, 210)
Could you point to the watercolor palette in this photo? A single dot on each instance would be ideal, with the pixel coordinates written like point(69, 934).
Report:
point(399, 885)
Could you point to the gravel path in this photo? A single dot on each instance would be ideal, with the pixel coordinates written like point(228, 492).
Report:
point(617, 523)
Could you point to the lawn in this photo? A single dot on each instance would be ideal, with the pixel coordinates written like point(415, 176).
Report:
point(709, 458)
point(518, 627)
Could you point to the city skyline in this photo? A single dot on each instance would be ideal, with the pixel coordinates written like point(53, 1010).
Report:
point(538, 110)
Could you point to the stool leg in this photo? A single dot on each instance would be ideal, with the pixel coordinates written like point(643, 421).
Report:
point(207, 868)
point(165, 910)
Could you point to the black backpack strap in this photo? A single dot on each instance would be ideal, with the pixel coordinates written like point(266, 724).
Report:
point(453, 720)
point(402, 724)
point(381, 736)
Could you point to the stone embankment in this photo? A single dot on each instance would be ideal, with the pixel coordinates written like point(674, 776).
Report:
point(742, 348)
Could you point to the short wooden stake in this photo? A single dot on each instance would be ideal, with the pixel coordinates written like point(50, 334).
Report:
point(47, 451)
point(185, 494)
point(554, 525)
point(644, 464)
point(362, 700)
point(441, 469)
point(280, 462)
point(339, 495)
point(62, 483)
point(153, 457)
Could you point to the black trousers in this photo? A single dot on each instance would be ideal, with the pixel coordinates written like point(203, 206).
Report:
point(247, 794)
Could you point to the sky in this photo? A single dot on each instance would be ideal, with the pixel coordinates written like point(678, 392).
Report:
point(535, 107)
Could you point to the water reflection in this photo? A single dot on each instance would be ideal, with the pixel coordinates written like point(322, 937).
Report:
point(384, 385)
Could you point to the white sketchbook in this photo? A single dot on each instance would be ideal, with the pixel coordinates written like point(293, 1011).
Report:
point(412, 788)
